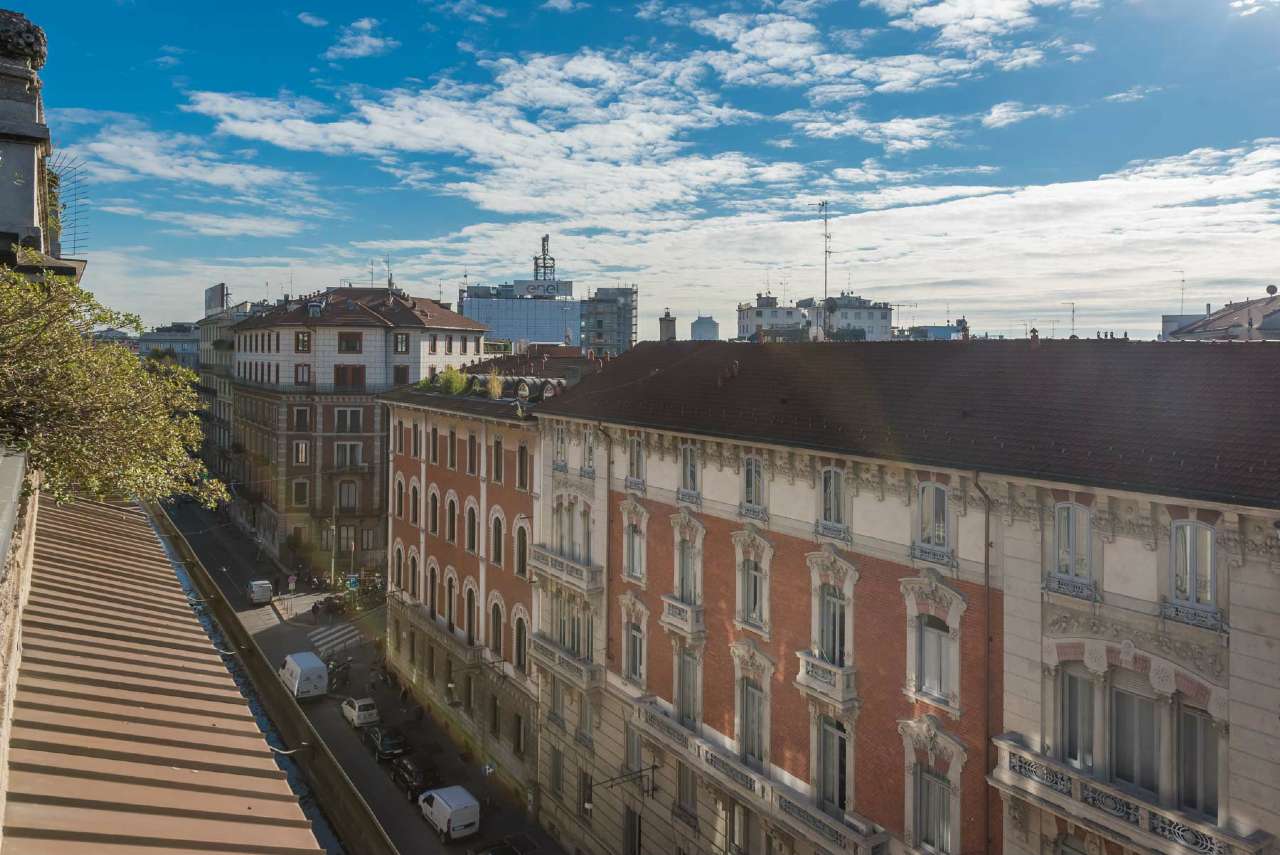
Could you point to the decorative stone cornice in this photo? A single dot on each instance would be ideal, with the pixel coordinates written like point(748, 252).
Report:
point(750, 660)
point(827, 566)
point(927, 734)
point(1208, 661)
point(750, 543)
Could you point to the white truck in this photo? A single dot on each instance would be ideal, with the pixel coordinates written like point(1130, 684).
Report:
point(260, 591)
point(305, 675)
point(452, 811)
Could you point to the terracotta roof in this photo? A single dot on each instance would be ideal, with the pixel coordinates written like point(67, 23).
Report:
point(1264, 313)
point(467, 405)
point(557, 366)
point(1200, 421)
point(129, 735)
point(362, 307)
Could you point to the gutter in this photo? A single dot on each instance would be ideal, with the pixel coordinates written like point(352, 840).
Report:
point(986, 655)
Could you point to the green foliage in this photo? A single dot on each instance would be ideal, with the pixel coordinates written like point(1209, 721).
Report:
point(451, 381)
point(93, 419)
point(494, 385)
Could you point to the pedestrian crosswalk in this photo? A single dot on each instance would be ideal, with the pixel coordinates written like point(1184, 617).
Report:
point(330, 639)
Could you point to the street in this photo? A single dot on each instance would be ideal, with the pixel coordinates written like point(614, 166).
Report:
point(289, 626)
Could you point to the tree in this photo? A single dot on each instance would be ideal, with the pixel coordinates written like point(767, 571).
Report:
point(92, 418)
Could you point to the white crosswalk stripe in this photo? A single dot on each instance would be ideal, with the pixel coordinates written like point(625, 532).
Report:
point(331, 638)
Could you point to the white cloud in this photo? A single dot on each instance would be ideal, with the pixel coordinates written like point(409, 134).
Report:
point(898, 135)
point(565, 5)
point(1252, 7)
point(1133, 93)
point(1012, 112)
point(361, 39)
point(971, 25)
point(471, 10)
point(312, 20)
point(212, 225)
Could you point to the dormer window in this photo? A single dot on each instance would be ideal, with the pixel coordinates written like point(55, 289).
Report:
point(313, 310)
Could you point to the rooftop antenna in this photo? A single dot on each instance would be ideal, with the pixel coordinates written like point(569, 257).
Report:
point(386, 262)
point(1072, 304)
point(371, 274)
point(1182, 304)
point(824, 208)
point(544, 266)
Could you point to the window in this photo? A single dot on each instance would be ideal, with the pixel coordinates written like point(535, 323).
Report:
point(471, 530)
point(495, 720)
point(462, 343)
point(631, 746)
point(302, 418)
point(689, 468)
point(751, 739)
point(831, 633)
point(522, 647)
point(400, 499)
point(1199, 764)
point(687, 689)
point(400, 374)
point(451, 522)
point(684, 574)
point(350, 342)
point(753, 592)
point(1193, 576)
point(347, 538)
point(301, 493)
point(832, 497)
point(635, 653)
point(522, 467)
point(417, 440)
point(346, 454)
point(1071, 536)
point(561, 446)
point(413, 567)
point(495, 629)
point(633, 843)
point(635, 458)
point(522, 552)
point(471, 454)
point(686, 789)
point(448, 344)
point(588, 450)
point(432, 584)
point(453, 449)
point(584, 794)
point(300, 449)
point(401, 342)
point(933, 516)
point(302, 375)
point(933, 812)
point(753, 483)
point(473, 617)
point(432, 345)
point(557, 699)
point(397, 577)
point(435, 444)
point(348, 420)
point(934, 678)
point(833, 784)
point(495, 472)
point(413, 504)
point(557, 771)
point(634, 555)
point(517, 734)
point(735, 829)
point(302, 342)
point(348, 377)
point(433, 513)
point(448, 602)
point(1135, 740)
point(348, 495)
point(1077, 721)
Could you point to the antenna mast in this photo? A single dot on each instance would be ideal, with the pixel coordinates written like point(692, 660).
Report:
point(824, 208)
point(1182, 304)
point(544, 266)
point(1072, 304)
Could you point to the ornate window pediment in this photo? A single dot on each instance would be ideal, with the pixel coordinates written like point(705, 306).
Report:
point(829, 567)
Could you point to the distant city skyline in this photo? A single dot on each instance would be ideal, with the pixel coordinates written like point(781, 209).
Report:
point(990, 159)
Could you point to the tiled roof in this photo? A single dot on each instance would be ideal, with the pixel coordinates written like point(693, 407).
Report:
point(1199, 421)
point(467, 405)
point(129, 735)
point(545, 366)
point(1219, 323)
point(363, 307)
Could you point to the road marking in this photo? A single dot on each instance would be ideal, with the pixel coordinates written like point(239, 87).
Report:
point(332, 638)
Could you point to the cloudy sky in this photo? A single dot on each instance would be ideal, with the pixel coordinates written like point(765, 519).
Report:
point(991, 158)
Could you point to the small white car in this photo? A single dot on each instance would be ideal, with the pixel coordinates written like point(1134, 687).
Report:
point(360, 712)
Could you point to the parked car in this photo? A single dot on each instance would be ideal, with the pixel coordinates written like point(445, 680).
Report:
point(384, 741)
point(409, 775)
point(451, 811)
point(360, 712)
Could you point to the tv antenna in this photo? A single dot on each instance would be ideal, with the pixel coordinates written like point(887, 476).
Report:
point(1182, 303)
point(824, 208)
point(1072, 304)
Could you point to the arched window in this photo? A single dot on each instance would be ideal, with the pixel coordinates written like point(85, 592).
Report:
point(522, 643)
point(431, 594)
point(400, 499)
point(448, 603)
point(495, 545)
point(471, 529)
point(397, 576)
point(451, 522)
point(433, 504)
point(413, 576)
point(471, 616)
point(413, 504)
point(495, 630)
point(522, 552)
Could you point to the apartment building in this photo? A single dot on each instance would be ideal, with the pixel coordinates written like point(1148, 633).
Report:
point(216, 360)
point(927, 598)
point(459, 621)
point(308, 438)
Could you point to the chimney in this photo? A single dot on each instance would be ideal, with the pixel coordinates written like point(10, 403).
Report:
point(1207, 311)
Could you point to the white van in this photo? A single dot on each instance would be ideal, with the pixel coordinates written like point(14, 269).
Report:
point(451, 811)
point(305, 675)
point(260, 591)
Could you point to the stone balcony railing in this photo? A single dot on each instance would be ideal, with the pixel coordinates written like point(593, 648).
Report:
point(933, 554)
point(1077, 795)
point(849, 834)
point(684, 618)
point(564, 663)
point(832, 683)
point(582, 577)
point(436, 629)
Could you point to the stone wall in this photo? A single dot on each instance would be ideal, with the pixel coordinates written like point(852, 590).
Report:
point(14, 589)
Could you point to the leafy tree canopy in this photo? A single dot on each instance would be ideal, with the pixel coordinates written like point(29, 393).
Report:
point(92, 417)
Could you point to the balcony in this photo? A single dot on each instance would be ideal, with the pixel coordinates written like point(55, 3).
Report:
point(746, 510)
point(832, 530)
point(1071, 586)
point(436, 629)
point(832, 683)
point(1193, 614)
point(689, 497)
point(562, 662)
point(684, 618)
point(933, 554)
point(583, 578)
point(634, 485)
point(1075, 795)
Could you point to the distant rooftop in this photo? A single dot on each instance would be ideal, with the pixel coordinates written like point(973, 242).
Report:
point(357, 307)
point(1251, 319)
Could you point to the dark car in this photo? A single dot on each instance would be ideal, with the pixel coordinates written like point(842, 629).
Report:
point(409, 776)
point(385, 742)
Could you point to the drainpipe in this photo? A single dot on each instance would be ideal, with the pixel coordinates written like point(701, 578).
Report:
point(608, 528)
point(986, 656)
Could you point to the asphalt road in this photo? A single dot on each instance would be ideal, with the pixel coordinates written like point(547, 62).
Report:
point(220, 544)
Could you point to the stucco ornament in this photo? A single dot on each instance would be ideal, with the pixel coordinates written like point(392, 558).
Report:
point(22, 40)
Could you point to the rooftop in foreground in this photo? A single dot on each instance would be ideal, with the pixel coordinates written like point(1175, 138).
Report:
point(129, 734)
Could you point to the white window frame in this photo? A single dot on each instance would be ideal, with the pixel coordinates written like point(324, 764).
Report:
point(928, 594)
point(930, 531)
point(1075, 516)
point(686, 527)
point(753, 482)
point(927, 736)
point(635, 518)
point(1076, 724)
point(690, 476)
point(301, 449)
point(1190, 530)
point(833, 765)
point(635, 459)
point(751, 662)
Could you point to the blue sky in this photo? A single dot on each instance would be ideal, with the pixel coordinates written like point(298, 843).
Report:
point(992, 158)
